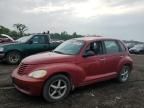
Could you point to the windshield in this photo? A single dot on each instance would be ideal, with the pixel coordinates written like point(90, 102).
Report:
point(70, 47)
point(24, 39)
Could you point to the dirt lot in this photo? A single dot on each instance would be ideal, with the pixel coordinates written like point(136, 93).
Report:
point(108, 94)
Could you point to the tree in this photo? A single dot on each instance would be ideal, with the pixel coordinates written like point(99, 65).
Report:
point(21, 28)
point(12, 33)
point(64, 33)
point(4, 30)
point(74, 34)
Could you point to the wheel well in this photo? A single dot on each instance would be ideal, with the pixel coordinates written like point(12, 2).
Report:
point(128, 64)
point(14, 51)
point(61, 73)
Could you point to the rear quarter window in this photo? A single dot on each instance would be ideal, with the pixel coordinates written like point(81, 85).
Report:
point(122, 47)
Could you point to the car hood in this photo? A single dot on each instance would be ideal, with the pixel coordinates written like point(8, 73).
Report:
point(7, 36)
point(48, 58)
point(8, 44)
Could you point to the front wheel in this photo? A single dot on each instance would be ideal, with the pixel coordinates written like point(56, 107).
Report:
point(124, 74)
point(56, 88)
point(13, 57)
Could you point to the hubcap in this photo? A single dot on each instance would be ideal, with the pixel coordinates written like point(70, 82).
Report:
point(57, 89)
point(14, 58)
point(125, 74)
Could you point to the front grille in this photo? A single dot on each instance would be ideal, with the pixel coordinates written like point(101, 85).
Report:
point(22, 69)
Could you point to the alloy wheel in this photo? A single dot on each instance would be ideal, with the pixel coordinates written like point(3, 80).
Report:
point(57, 89)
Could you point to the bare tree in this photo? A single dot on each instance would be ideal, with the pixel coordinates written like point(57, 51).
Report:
point(21, 28)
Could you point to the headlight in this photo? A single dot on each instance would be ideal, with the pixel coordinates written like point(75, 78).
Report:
point(38, 74)
point(1, 49)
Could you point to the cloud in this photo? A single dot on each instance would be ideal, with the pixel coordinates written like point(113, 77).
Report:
point(116, 18)
point(89, 8)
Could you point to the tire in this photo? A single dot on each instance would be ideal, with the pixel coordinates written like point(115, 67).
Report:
point(13, 57)
point(56, 88)
point(124, 74)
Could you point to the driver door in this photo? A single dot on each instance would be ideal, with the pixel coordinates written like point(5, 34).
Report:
point(37, 44)
point(94, 65)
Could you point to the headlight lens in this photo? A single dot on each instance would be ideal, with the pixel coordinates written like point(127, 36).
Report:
point(1, 49)
point(38, 74)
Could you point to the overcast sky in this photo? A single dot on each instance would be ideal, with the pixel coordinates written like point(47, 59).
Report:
point(123, 19)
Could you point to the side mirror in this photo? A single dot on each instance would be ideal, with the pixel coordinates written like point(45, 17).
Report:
point(88, 53)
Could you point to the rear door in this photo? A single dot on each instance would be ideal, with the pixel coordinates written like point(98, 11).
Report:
point(113, 55)
point(93, 65)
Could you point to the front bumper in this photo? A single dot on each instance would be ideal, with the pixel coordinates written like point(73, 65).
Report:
point(27, 85)
point(2, 55)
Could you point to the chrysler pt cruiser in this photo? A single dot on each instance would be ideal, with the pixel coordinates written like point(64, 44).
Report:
point(74, 63)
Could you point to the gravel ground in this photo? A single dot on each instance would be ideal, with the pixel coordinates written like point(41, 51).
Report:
point(108, 94)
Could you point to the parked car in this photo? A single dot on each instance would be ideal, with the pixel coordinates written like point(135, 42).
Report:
point(12, 53)
point(130, 45)
point(5, 39)
point(137, 49)
point(74, 63)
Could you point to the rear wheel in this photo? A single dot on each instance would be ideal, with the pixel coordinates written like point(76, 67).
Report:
point(124, 74)
point(56, 88)
point(13, 57)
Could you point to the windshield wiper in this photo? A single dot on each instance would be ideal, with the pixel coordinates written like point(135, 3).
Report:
point(58, 52)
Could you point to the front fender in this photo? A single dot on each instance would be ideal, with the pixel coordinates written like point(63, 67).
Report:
point(76, 73)
point(13, 47)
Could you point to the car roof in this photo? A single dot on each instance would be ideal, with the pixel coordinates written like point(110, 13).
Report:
point(93, 38)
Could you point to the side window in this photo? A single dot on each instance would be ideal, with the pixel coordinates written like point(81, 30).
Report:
point(38, 39)
point(111, 46)
point(35, 40)
point(95, 47)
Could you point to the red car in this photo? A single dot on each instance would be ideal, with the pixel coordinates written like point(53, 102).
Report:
point(74, 63)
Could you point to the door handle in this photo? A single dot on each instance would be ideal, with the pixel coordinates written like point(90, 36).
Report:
point(102, 59)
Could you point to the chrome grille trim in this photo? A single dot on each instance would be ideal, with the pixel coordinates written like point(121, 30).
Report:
point(22, 69)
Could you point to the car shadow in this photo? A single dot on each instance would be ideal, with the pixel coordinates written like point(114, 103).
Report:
point(3, 63)
point(78, 92)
